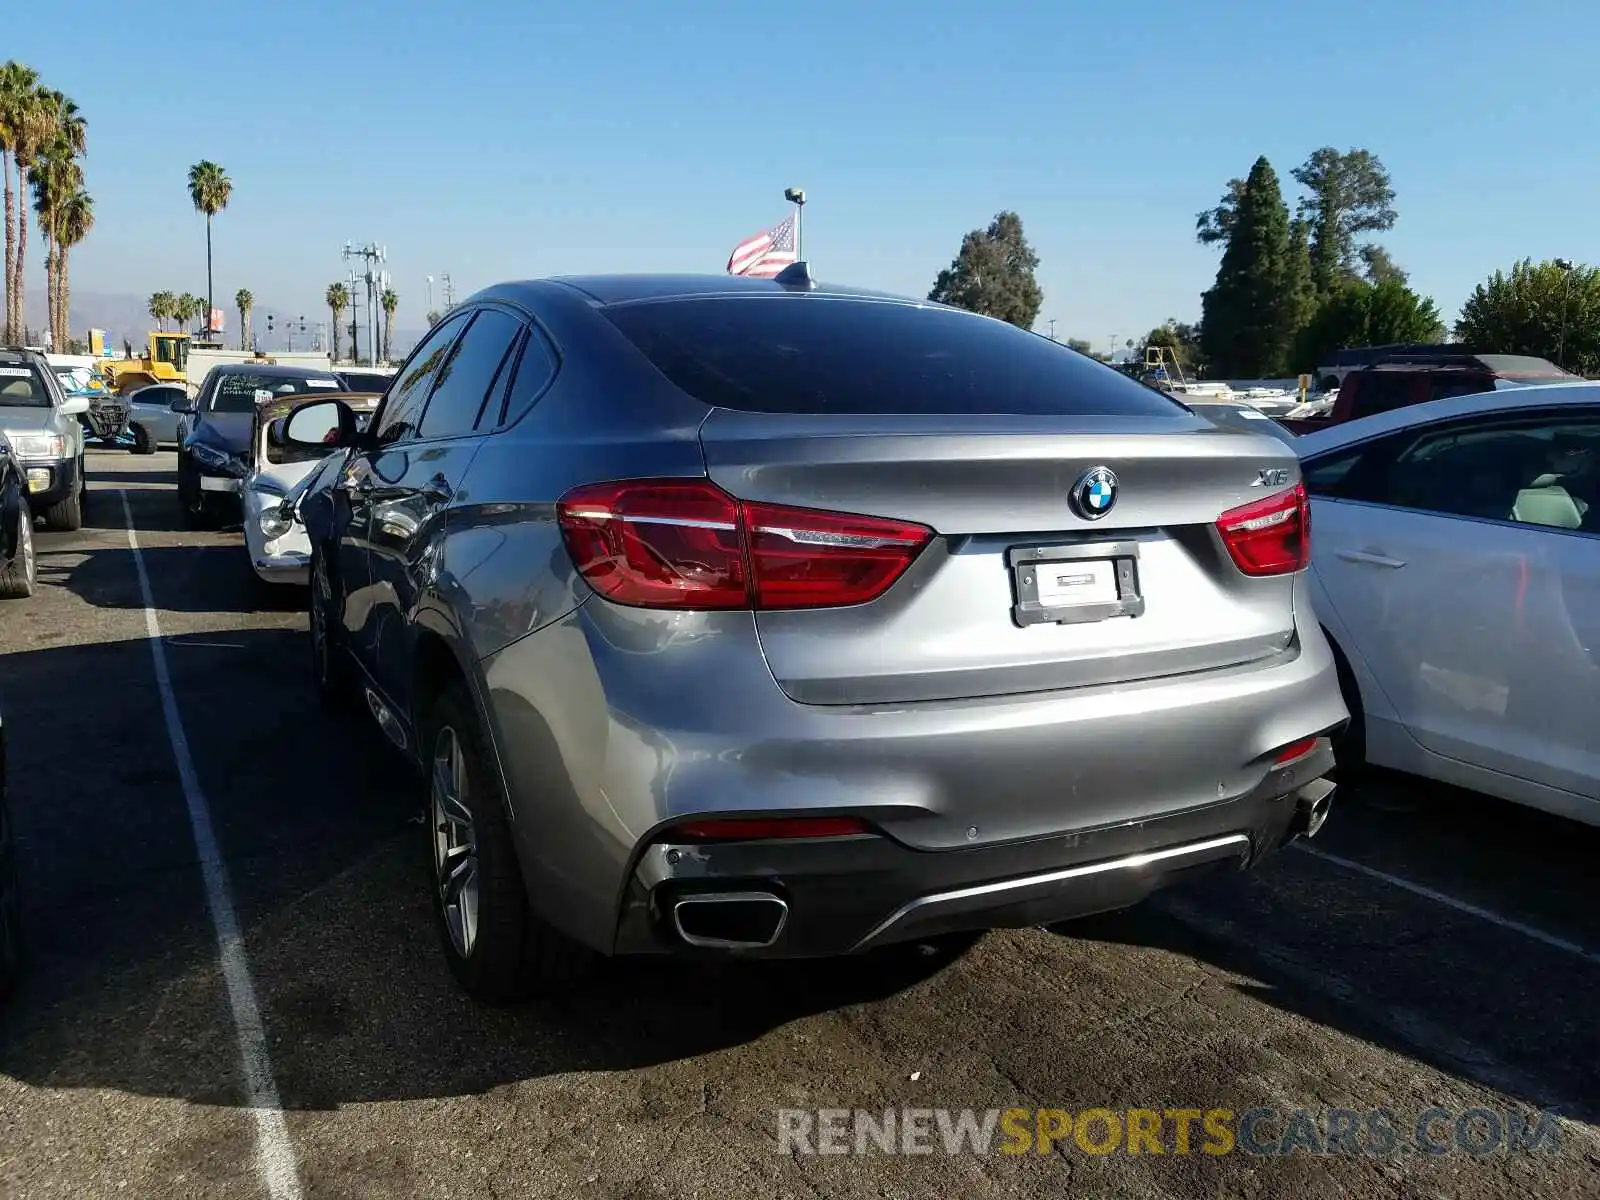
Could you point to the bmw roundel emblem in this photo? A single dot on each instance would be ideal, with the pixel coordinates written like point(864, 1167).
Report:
point(1095, 493)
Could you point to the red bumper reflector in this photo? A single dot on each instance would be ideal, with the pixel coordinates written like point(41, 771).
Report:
point(754, 829)
point(1295, 750)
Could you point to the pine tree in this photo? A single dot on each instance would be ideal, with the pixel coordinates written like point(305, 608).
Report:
point(1258, 302)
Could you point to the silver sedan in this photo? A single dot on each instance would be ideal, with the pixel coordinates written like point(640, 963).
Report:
point(153, 421)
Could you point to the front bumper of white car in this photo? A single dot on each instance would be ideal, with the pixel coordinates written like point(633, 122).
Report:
point(277, 555)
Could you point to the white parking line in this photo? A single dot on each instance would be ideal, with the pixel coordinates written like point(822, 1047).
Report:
point(274, 1153)
point(1461, 906)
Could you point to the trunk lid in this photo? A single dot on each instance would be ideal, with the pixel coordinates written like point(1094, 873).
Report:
point(996, 490)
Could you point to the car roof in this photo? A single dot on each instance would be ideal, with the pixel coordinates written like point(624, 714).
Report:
point(624, 289)
point(1507, 400)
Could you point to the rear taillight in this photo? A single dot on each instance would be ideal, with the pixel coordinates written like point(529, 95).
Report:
point(1270, 536)
point(751, 829)
point(685, 543)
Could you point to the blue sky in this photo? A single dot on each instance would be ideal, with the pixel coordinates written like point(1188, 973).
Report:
point(501, 140)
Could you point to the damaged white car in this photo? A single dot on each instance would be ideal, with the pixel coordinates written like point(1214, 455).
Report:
point(277, 545)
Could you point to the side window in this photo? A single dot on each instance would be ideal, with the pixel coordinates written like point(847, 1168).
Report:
point(535, 370)
point(468, 374)
point(1380, 392)
point(402, 407)
point(1542, 472)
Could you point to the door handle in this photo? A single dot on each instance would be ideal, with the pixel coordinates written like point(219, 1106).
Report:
point(437, 490)
point(1372, 559)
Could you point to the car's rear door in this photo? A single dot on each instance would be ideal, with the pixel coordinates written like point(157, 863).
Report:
point(415, 476)
point(1464, 561)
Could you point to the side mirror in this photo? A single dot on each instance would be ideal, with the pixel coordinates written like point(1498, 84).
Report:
point(75, 406)
point(320, 425)
point(183, 406)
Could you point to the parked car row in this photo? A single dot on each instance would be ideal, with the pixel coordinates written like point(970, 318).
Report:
point(730, 616)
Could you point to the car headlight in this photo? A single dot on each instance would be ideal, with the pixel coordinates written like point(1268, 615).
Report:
point(217, 460)
point(273, 523)
point(38, 445)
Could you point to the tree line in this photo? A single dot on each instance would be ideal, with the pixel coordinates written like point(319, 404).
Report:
point(43, 142)
point(1295, 284)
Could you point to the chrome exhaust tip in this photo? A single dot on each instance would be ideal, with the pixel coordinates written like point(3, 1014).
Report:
point(729, 920)
point(1312, 803)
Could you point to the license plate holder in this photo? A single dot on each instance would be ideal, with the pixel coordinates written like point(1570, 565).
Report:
point(1075, 584)
point(216, 483)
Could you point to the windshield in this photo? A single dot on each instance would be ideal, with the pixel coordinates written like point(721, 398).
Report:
point(242, 392)
point(22, 387)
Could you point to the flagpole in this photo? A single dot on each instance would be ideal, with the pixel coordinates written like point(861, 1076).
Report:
point(796, 197)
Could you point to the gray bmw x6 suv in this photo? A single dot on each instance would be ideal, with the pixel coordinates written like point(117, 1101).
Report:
point(763, 617)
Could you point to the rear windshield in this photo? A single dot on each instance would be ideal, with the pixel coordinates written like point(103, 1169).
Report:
point(241, 393)
point(22, 387)
point(804, 354)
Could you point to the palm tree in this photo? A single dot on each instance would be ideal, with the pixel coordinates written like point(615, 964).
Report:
point(188, 311)
point(390, 301)
point(55, 175)
point(162, 305)
point(210, 189)
point(76, 218)
point(22, 129)
point(244, 302)
point(338, 299)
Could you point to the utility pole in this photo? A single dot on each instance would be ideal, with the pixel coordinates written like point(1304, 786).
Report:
point(449, 292)
point(1052, 329)
point(370, 255)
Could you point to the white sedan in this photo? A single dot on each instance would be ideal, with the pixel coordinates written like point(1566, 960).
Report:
point(278, 549)
point(1456, 568)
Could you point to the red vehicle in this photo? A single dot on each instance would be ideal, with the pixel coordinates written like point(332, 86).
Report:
point(1413, 378)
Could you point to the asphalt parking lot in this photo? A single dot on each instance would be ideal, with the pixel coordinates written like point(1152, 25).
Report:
point(1324, 981)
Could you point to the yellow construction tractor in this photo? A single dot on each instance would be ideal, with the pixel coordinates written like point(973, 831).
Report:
point(165, 360)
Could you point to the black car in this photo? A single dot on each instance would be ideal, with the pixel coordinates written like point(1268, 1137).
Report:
point(10, 906)
point(17, 570)
point(214, 433)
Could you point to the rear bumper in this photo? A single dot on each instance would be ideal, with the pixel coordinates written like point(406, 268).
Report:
point(611, 726)
point(847, 895)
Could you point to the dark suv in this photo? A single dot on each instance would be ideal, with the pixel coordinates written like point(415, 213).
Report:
point(1403, 379)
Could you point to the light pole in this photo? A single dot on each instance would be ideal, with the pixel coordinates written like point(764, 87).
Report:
point(1565, 264)
point(797, 197)
point(1052, 329)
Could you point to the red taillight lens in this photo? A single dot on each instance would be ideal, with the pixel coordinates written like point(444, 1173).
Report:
point(1270, 536)
point(1294, 750)
point(685, 543)
point(755, 828)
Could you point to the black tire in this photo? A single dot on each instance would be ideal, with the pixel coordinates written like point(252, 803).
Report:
point(1350, 746)
point(514, 954)
point(66, 516)
point(330, 665)
point(19, 576)
point(143, 443)
point(197, 511)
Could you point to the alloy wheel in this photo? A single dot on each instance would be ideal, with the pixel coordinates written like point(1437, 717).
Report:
point(455, 845)
point(25, 545)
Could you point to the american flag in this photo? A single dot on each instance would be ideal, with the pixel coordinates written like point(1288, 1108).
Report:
point(765, 254)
